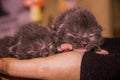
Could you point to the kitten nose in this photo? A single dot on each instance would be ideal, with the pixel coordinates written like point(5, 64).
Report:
point(84, 45)
point(45, 52)
point(84, 42)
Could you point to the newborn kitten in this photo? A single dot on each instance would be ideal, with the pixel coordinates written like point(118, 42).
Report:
point(30, 41)
point(79, 28)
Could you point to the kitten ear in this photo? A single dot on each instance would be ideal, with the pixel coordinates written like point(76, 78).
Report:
point(14, 46)
point(11, 49)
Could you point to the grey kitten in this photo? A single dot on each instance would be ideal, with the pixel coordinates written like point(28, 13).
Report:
point(31, 41)
point(78, 27)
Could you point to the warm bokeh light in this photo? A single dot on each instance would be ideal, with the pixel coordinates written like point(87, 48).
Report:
point(34, 2)
point(106, 12)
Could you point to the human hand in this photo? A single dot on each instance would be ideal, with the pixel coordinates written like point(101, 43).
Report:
point(65, 66)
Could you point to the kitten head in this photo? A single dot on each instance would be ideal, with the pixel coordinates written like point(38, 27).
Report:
point(32, 40)
point(78, 27)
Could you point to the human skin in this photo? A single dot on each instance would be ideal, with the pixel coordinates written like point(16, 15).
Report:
point(65, 66)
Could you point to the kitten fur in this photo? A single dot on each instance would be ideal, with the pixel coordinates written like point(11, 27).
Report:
point(78, 27)
point(30, 41)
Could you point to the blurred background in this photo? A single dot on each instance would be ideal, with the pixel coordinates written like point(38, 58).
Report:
point(14, 13)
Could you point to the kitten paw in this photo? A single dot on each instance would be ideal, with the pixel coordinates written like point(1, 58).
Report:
point(102, 52)
point(65, 47)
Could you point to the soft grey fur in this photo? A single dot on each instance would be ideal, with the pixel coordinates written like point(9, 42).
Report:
point(78, 27)
point(30, 41)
